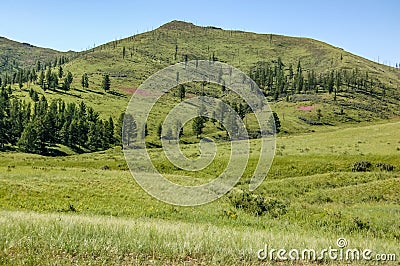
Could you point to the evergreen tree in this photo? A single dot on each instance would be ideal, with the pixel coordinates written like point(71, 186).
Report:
point(30, 141)
point(145, 131)
point(197, 126)
point(109, 131)
point(85, 81)
point(129, 130)
point(274, 119)
point(299, 79)
point(106, 83)
point(182, 92)
point(159, 130)
point(67, 81)
point(94, 136)
point(41, 79)
point(60, 72)
point(118, 129)
point(231, 126)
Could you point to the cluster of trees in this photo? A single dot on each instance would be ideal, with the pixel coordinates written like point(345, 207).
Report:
point(26, 75)
point(277, 80)
point(35, 127)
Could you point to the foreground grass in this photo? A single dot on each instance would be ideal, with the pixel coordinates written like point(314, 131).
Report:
point(31, 238)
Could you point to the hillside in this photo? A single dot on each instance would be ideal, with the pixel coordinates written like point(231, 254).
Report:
point(178, 41)
point(15, 55)
point(368, 91)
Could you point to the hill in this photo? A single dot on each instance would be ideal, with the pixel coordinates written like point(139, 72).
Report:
point(367, 91)
point(15, 55)
point(312, 85)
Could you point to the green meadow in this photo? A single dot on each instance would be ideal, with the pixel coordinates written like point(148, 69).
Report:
point(87, 208)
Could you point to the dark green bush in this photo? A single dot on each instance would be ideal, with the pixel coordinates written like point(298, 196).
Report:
point(257, 204)
point(361, 166)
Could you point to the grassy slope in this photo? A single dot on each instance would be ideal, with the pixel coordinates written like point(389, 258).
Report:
point(151, 51)
point(14, 54)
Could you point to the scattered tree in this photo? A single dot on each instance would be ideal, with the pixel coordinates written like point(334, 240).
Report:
point(106, 83)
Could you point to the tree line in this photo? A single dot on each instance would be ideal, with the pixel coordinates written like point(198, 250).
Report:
point(34, 127)
point(278, 80)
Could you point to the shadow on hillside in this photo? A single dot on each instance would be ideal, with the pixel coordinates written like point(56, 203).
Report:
point(77, 149)
point(116, 93)
point(65, 93)
point(97, 92)
point(53, 152)
point(80, 90)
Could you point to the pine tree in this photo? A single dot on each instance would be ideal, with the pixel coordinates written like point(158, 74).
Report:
point(197, 126)
point(231, 126)
point(94, 136)
point(29, 141)
point(109, 131)
point(41, 79)
point(274, 119)
point(118, 129)
point(182, 92)
point(159, 130)
point(145, 131)
point(299, 79)
point(85, 81)
point(53, 84)
point(68, 81)
point(106, 83)
point(129, 130)
point(60, 72)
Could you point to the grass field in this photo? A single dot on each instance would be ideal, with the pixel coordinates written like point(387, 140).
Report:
point(68, 210)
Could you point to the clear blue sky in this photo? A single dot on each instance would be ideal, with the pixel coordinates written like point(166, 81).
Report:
point(367, 28)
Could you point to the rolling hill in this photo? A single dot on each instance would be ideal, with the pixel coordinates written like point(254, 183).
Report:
point(369, 91)
point(15, 55)
point(132, 60)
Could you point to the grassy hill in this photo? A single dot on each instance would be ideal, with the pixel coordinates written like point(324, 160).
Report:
point(15, 55)
point(176, 41)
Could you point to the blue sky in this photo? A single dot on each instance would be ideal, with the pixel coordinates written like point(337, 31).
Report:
point(367, 28)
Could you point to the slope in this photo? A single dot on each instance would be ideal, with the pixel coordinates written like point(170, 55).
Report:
point(15, 55)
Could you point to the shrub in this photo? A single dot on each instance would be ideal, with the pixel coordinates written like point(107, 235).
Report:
point(385, 167)
point(257, 204)
point(105, 167)
point(361, 166)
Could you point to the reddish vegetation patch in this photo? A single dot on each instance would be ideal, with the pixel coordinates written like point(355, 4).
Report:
point(190, 95)
point(129, 90)
point(136, 90)
point(305, 108)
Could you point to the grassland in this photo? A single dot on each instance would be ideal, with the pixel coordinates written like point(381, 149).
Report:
point(68, 210)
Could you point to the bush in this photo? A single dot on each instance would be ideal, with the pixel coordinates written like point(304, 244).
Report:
point(257, 204)
point(361, 166)
point(105, 167)
point(385, 167)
